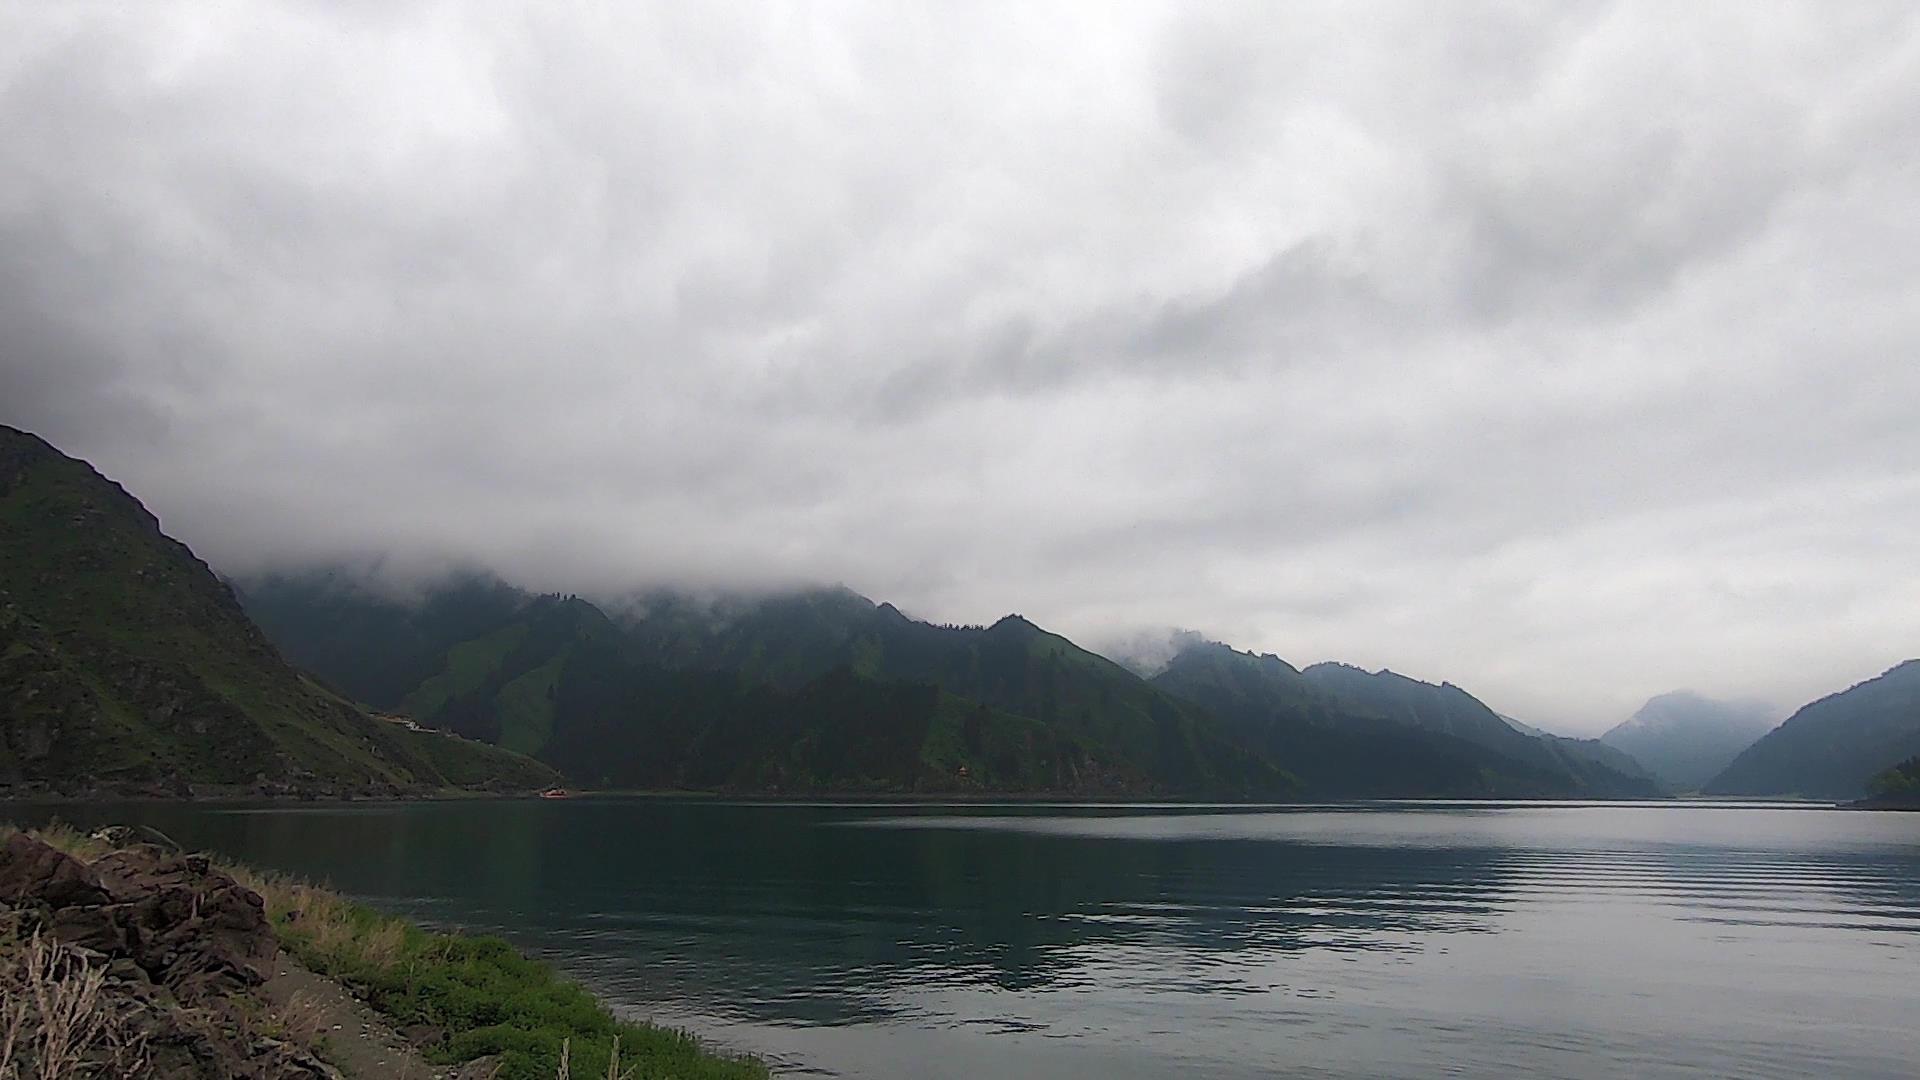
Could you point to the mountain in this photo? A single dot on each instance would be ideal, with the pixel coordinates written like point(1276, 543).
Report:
point(1013, 666)
point(368, 645)
point(670, 690)
point(744, 695)
point(1351, 734)
point(125, 661)
point(1686, 739)
point(1576, 766)
point(1832, 748)
point(1338, 751)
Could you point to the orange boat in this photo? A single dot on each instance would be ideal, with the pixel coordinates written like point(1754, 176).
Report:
point(556, 793)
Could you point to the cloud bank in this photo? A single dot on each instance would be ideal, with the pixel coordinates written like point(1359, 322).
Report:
point(1568, 353)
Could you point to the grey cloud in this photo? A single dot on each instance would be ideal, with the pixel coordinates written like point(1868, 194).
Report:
point(1566, 353)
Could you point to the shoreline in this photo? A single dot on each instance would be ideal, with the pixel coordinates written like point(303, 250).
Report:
point(254, 794)
point(283, 795)
point(306, 974)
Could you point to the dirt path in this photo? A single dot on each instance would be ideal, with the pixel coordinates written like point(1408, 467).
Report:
point(359, 1042)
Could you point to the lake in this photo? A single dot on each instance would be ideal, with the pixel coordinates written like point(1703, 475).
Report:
point(1124, 942)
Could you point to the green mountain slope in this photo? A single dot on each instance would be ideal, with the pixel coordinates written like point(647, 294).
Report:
point(1338, 752)
point(688, 695)
point(699, 692)
point(648, 726)
point(369, 646)
point(1012, 666)
point(124, 660)
point(1574, 768)
point(1357, 746)
point(1832, 748)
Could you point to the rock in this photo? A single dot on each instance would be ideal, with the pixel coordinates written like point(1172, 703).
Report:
point(36, 873)
point(193, 929)
point(480, 1068)
point(424, 1035)
point(183, 948)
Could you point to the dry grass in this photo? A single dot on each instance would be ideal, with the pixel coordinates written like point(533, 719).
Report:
point(63, 837)
point(55, 1023)
point(302, 1021)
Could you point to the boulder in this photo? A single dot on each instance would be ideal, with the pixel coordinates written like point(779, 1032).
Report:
point(32, 872)
point(189, 927)
point(181, 947)
point(192, 928)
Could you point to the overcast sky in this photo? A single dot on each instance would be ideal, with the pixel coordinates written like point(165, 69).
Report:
point(1567, 352)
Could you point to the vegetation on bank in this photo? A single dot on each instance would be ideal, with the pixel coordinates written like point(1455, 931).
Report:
point(1900, 782)
point(489, 999)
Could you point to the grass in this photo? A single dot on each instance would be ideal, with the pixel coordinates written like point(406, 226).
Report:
point(469, 665)
point(525, 706)
point(488, 997)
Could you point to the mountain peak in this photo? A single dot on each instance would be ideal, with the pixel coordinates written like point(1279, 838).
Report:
point(1685, 738)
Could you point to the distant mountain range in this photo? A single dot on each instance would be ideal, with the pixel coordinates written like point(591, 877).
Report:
point(124, 661)
point(1685, 739)
point(667, 691)
point(1352, 734)
point(1835, 747)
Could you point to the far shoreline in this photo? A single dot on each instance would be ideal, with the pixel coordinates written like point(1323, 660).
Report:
point(252, 796)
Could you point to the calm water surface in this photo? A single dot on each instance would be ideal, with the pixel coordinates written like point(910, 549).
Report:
point(1116, 943)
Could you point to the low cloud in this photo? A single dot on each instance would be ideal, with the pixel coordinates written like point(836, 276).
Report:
point(1567, 354)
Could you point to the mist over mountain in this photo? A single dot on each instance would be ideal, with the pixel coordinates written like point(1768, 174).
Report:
point(1686, 739)
point(817, 690)
point(124, 661)
point(737, 692)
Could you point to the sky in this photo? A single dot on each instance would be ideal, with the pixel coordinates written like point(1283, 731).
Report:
point(1569, 352)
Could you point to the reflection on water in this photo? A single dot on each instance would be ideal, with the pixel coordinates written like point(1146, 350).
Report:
point(1388, 940)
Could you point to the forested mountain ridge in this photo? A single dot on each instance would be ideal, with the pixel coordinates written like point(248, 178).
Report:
point(125, 661)
point(674, 695)
point(1834, 747)
point(1449, 710)
point(1352, 734)
point(657, 701)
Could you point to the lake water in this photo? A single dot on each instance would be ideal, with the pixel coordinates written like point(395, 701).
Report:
point(1412, 940)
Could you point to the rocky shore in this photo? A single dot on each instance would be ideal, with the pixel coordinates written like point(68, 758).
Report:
point(144, 962)
point(122, 956)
